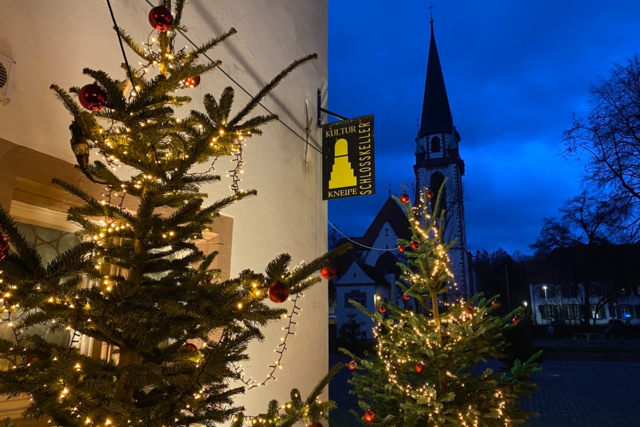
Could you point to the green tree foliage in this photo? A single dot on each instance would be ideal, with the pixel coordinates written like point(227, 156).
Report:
point(138, 282)
point(427, 367)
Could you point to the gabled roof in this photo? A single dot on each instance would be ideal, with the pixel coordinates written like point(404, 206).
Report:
point(436, 114)
point(375, 277)
point(389, 213)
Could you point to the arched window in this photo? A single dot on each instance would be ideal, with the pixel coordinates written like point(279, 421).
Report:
point(437, 178)
point(436, 146)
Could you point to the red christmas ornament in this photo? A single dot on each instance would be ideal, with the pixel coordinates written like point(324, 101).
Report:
point(191, 82)
point(419, 367)
point(404, 198)
point(314, 425)
point(4, 246)
point(369, 416)
point(191, 346)
point(352, 365)
point(92, 97)
point(29, 359)
point(328, 272)
point(278, 292)
point(430, 194)
point(400, 249)
point(415, 245)
point(382, 309)
point(405, 297)
point(495, 305)
point(515, 320)
point(160, 18)
point(468, 310)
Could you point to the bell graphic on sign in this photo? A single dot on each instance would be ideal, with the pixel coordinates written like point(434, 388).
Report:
point(342, 173)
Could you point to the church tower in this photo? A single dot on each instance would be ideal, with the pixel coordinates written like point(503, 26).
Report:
point(437, 159)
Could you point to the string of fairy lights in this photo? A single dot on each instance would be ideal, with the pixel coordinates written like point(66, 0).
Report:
point(114, 222)
point(392, 343)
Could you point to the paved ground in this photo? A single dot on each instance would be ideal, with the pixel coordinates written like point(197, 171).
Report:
point(573, 393)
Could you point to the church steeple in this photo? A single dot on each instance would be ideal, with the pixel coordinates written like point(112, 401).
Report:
point(436, 114)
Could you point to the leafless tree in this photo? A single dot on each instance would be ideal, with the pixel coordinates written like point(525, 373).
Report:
point(610, 134)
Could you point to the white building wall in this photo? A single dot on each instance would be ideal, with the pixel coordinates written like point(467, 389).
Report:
point(386, 239)
point(53, 41)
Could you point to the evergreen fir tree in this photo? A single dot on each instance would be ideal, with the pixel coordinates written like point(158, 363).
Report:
point(137, 281)
point(427, 367)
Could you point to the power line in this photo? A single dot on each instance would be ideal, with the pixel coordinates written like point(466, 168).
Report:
point(358, 243)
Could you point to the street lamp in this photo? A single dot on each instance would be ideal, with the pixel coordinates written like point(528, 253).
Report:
point(546, 302)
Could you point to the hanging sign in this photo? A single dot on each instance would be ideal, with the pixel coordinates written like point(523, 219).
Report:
point(347, 158)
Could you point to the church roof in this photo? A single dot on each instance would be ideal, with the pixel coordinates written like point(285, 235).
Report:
point(436, 114)
point(394, 215)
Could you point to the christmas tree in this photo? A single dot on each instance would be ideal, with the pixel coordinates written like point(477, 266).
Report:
point(137, 281)
point(427, 368)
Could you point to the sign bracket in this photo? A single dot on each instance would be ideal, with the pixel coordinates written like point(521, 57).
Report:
point(324, 110)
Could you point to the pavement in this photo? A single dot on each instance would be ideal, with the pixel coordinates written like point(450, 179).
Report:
point(595, 384)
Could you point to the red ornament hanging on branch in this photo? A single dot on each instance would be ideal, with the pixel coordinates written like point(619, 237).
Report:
point(415, 245)
point(419, 367)
point(314, 425)
point(191, 82)
point(369, 416)
point(405, 297)
point(401, 249)
point(4, 246)
point(278, 292)
point(382, 309)
point(429, 194)
point(468, 310)
point(404, 198)
point(352, 365)
point(515, 320)
point(328, 272)
point(191, 346)
point(160, 18)
point(93, 97)
point(495, 305)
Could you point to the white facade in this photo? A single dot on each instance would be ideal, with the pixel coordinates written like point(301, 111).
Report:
point(552, 303)
point(371, 277)
point(356, 285)
point(52, 42)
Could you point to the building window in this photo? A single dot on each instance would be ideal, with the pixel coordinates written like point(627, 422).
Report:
point(357, 296)
point(436, 146)
point(625, 311)
point(549, 312)
point(572, 312)
point(386, 231)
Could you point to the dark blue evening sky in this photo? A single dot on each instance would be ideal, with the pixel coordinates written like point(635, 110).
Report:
point(515, 71)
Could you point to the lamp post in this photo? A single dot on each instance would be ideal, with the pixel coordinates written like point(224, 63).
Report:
point(546, 301)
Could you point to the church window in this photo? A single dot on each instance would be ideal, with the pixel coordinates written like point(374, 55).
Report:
point(436, 146)
point(357, 296)
point(436, 181)
point(386, 231)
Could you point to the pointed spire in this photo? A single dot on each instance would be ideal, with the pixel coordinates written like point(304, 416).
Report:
point(436, 114)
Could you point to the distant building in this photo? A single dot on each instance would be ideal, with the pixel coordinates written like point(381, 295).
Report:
point(607, 277)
